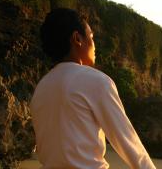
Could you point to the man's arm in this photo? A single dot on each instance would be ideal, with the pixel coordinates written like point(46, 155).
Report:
point(110, 113)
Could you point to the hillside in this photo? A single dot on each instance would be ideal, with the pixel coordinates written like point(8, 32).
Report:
point(129, 49)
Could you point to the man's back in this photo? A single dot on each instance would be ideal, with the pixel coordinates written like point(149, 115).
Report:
point(67, 132)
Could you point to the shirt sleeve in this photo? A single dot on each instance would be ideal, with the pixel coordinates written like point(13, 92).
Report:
point(110, 114)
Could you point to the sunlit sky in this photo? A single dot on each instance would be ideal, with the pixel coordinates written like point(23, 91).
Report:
point(150, 9)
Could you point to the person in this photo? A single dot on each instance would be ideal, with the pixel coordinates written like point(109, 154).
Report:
point(75, 106)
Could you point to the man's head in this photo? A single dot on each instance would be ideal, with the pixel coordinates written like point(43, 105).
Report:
point(67, 36)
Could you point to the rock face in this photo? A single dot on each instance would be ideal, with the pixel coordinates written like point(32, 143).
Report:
point(22, 64)
point(15, 129)
point(146, 117)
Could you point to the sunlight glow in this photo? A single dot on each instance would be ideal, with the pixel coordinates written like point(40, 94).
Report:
point(150, 9)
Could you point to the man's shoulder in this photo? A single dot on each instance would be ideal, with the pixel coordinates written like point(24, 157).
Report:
point(88, 81)
point(93, 73)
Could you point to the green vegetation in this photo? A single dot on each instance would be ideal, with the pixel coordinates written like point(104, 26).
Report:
point(64, 3)
point(124, 78)
point(129, 38)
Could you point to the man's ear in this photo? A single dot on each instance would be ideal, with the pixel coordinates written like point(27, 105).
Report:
point(76, 38)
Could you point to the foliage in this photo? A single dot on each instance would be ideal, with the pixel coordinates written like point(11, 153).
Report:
point(36, 6)
point(63, 3)
point(123, 77)
point(134, 33)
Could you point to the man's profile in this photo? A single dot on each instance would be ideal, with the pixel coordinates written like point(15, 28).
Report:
point(75, 106)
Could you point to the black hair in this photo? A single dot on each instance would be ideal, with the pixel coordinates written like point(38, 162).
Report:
point(57, 29)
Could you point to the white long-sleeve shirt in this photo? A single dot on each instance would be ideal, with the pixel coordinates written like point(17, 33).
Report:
point(73, 108)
